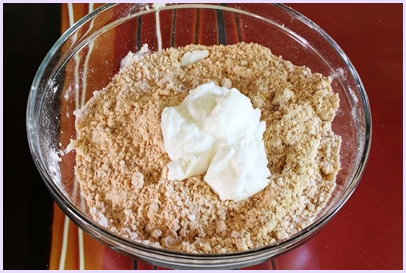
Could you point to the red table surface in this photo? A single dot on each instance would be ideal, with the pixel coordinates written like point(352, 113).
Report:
point(367, 232)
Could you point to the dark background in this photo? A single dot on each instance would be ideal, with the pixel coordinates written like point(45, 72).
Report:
point(29, 32)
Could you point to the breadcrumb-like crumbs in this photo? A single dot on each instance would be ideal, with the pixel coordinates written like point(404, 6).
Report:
point(121, 160)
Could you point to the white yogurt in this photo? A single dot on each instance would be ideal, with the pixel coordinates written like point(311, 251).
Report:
point(193, 56)
point(217, 130)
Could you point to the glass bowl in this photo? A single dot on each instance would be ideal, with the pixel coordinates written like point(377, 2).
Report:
point(88, 54)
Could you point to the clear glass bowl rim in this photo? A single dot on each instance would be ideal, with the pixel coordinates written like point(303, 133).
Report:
point(124, 244)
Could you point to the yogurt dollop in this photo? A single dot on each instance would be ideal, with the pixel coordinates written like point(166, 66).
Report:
point(216, 130)
point(193, 57)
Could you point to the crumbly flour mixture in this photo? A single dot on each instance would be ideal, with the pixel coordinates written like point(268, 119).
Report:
point(121, 160)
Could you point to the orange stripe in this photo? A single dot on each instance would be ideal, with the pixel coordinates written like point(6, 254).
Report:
point(80, 11)
point(64, 18)
point(72, 253)
point(93, 251)
point(57, 236)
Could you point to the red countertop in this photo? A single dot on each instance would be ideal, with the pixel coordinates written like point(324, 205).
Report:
point(367, 232)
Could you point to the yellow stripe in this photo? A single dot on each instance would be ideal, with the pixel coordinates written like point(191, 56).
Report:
point(66, 225)
point(158, 30)
point(64, 244)
point(84, 79)
point(81, 251)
